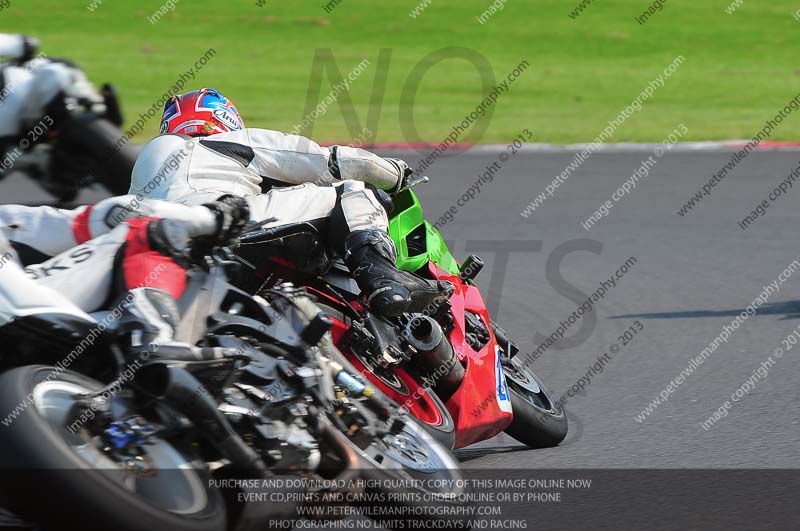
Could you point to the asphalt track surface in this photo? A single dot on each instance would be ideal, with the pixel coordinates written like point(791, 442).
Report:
point(692, 276)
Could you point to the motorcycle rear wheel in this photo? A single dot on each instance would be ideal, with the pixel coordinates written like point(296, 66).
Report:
point(397, 384)
point(101, 148)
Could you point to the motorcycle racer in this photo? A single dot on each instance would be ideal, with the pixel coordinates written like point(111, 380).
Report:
point(120, 248)
point(55, 126)
point(29, 83)
point(205, 151)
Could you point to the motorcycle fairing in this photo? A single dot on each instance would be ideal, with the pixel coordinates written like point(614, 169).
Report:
point(481, 407)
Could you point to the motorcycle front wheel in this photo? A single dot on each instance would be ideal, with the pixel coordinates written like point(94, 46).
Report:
point(63, 476)
point(539, 420)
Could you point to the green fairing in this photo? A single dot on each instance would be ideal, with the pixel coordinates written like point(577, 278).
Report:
point(407, 224)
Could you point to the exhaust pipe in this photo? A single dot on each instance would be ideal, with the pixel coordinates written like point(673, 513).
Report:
point(439, 365)
point(178, 388)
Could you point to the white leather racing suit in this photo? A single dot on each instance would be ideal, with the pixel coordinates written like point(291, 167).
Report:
point(285, 176)
point(75, 251)
point(340, 190)
point(26, 88)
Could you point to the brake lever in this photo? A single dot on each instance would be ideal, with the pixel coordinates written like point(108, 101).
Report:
point(414, 182)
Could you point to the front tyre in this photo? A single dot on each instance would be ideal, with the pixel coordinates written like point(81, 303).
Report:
point(68, 479)
point(539, 420)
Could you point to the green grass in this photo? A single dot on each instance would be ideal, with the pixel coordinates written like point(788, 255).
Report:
point(740, 69)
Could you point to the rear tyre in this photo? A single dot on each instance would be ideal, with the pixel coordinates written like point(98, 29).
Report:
point(445, 432)
point(420, 402)
point(398, 385)
point(110, 157)
point(64, 479)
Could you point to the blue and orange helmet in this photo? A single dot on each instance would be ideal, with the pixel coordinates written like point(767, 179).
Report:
point(200, 113)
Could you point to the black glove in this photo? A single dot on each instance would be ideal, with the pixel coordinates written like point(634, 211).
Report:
point(232, 215)
point(30, 45)
point(405, 172)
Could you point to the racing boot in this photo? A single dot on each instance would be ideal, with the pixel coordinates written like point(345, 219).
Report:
point(153, 277)
point(146, 327)
point(371, 256)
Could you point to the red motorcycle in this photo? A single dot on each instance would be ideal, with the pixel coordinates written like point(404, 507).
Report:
point(450, 366)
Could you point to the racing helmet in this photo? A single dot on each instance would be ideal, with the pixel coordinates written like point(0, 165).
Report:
point(200, 113)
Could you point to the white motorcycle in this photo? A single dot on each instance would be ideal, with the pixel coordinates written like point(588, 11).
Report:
point(56, 127)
